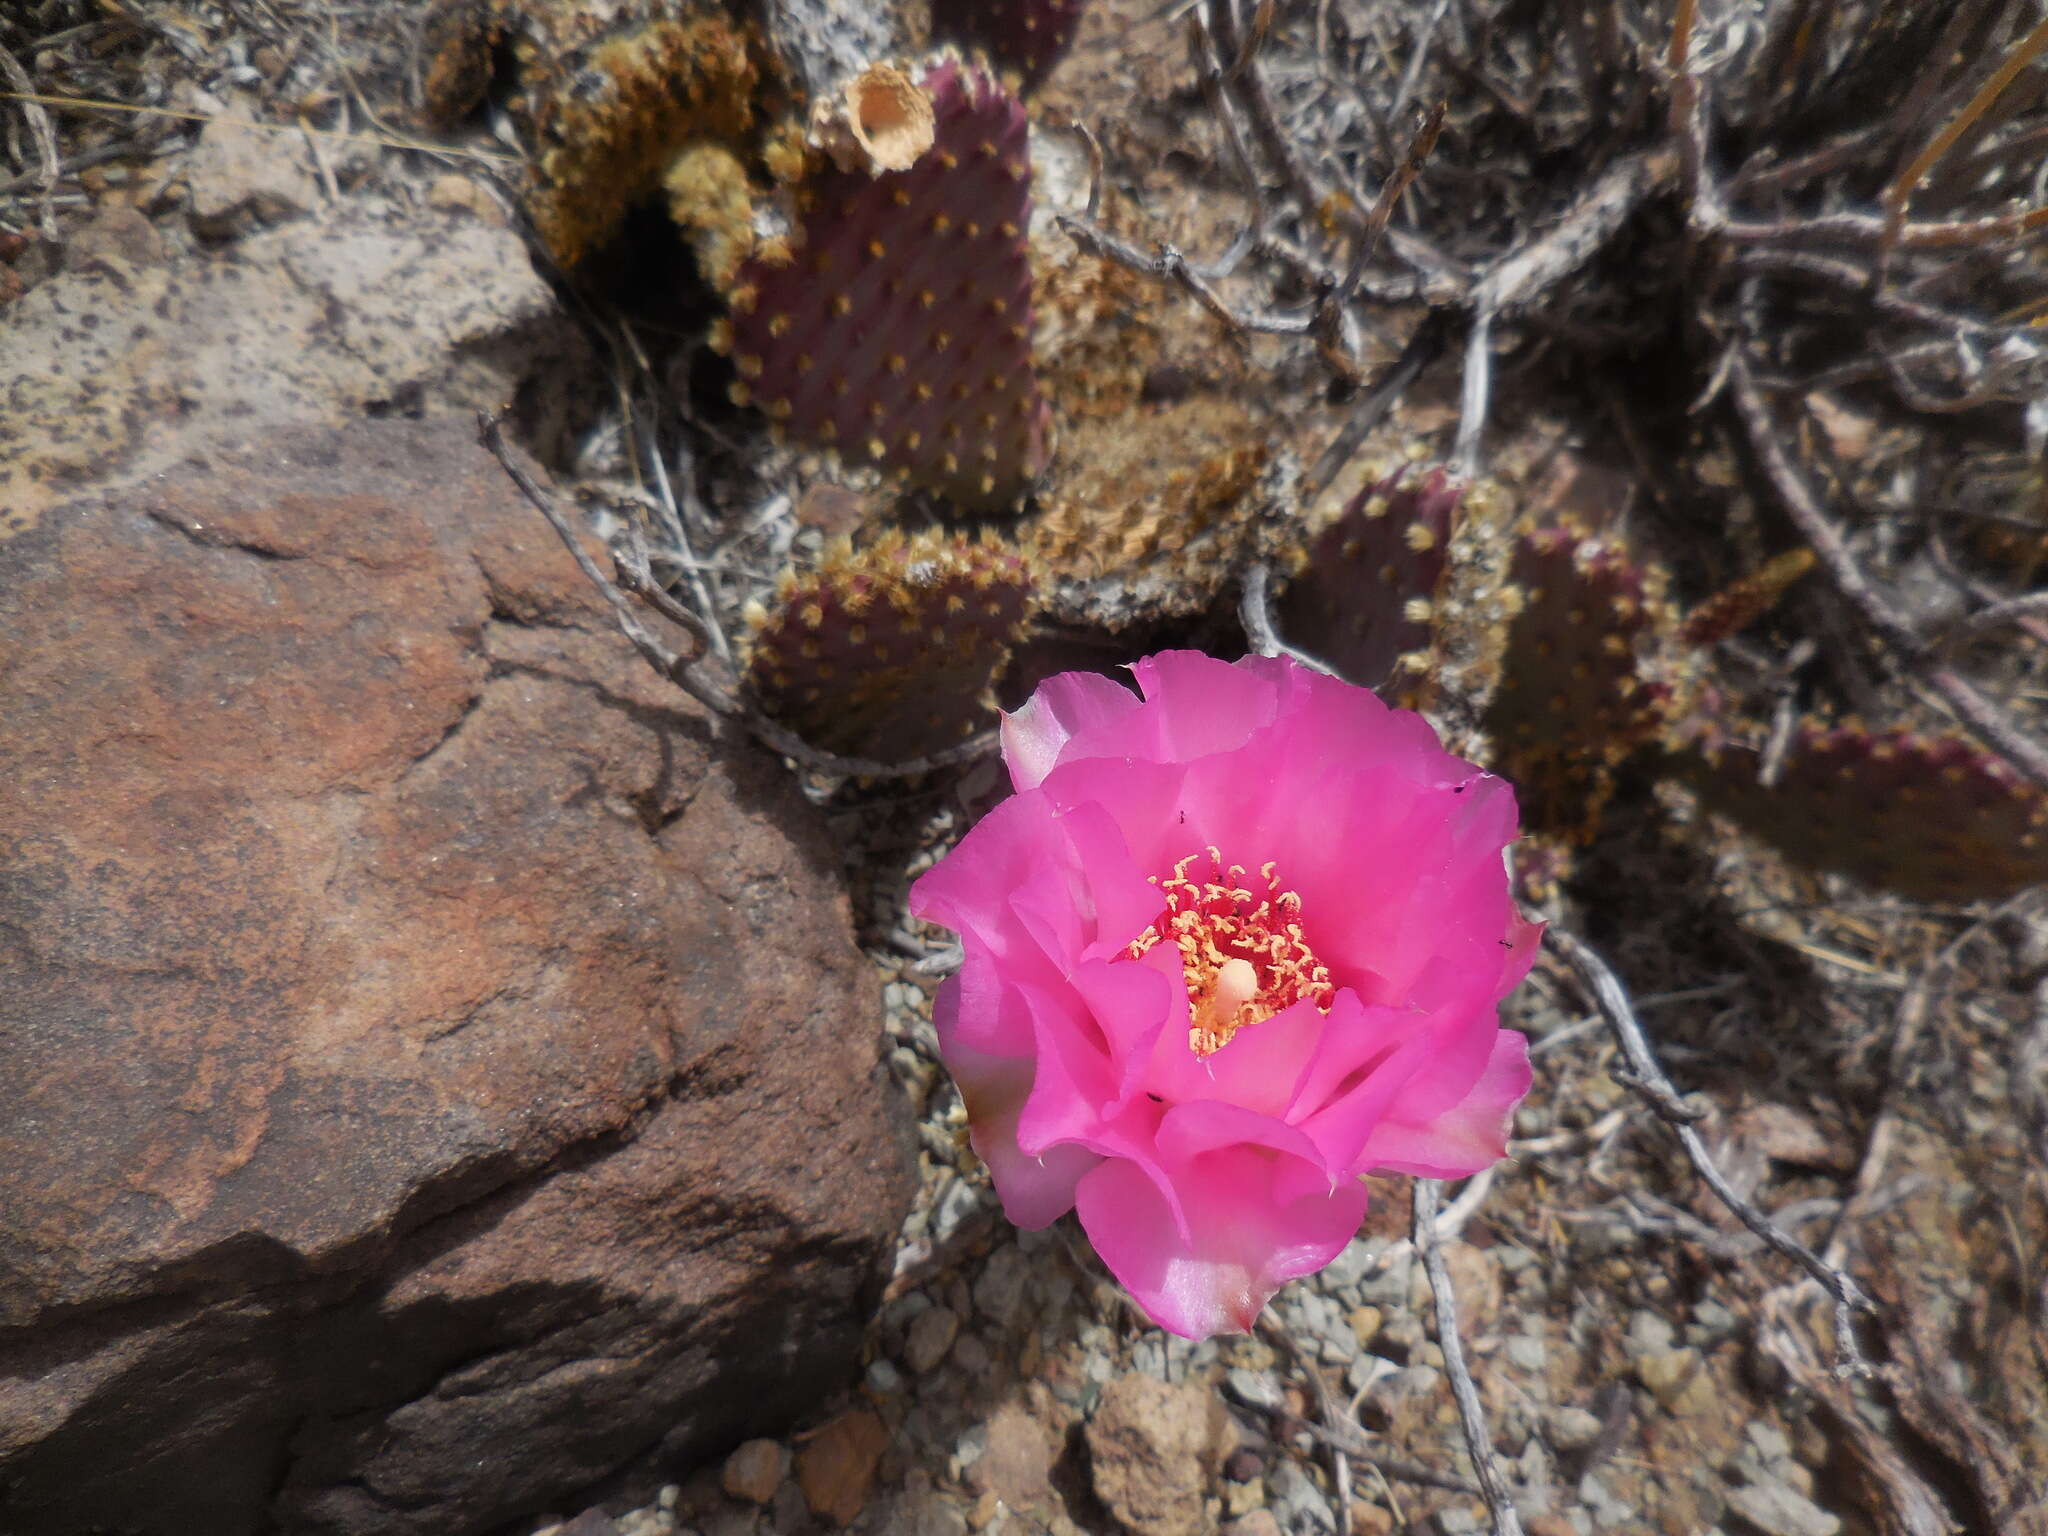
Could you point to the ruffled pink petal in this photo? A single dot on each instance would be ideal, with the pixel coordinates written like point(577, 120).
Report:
point(1194, 1130)
point(1035, 1191)
point(970, 889)
point(1260, 1068)
point(978, 1009)
point(1523, 940)
point(1252, 1225)
point(1470, 1135)
point(1142, 799)
point(1343, 1122)
point(1435, 883)
point(1196, 706)
point(1123, 903)
point(1356, 1039)
point(1135, 1005)
point(1436, 1061)
point(1060, 708)
point(1076, 1079)
point(1048, 904)
point(1457, 1038)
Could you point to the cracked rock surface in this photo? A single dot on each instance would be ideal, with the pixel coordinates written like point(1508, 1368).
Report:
point(440, 1074)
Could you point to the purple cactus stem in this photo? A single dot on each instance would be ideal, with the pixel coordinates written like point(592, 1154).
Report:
point(1363, 602)
point(1028, 36)
point(1937, 818)
point(889, 651)
point(1575, 698)
point(898, 327)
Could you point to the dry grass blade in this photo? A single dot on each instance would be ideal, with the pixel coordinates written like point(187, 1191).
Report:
point(1900, 193)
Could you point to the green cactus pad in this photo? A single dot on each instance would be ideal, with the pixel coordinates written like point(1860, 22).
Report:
point(1936, 818)
point(895, 324)
point(888, 651)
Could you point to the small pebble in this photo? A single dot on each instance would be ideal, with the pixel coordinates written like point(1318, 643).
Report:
point(1571, 1428)
point(999, 1292)
point(931, 1334)
point(755, 1471)
point(971, 1355)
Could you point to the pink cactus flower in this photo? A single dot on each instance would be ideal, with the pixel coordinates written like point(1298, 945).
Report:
point(1227, 949)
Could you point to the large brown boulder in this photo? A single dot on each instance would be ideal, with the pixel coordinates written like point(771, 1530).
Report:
point(435, 1070)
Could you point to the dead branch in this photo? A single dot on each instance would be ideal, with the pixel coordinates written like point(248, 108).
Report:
point(1403, 177)
point(1975, 711)
point(1647, 1078)
point(1825, 229)
point(1342, 1436)
point(1524, 274)
point(1900, 193)
point(1471, 1414)
point(1425, 344)
point(38, 120)
point(1171, 266)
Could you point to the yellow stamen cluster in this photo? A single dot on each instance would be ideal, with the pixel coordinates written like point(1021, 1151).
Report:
point(1243, 952)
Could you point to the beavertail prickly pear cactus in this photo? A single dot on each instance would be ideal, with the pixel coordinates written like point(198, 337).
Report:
point(1366, 595)
point(1582, 688)
point(888, 651)
point(894, 321)
point(1933, 817)
point(1027, 36)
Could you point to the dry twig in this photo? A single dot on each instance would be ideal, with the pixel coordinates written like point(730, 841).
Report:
point(1493, 1486)
point(1647, 1078)
point(1803, 507)
point(40, 130)
point(631, 574)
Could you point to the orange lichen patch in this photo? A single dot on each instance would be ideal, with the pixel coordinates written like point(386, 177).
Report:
point(1242, 951)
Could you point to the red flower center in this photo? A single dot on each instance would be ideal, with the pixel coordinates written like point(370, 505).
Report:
point(1243, 952)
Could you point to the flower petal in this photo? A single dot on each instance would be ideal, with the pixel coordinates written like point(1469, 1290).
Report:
point(1472, 1134)
point(1058, 709)
point(970, 889)
point(1035, 1191)
point(979, 1009)
point(1253, 1224)
point(1076, 1079)
point(1142, 799)
point(1196, 706)
point(1135, 1005)
point(1260, 1068)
